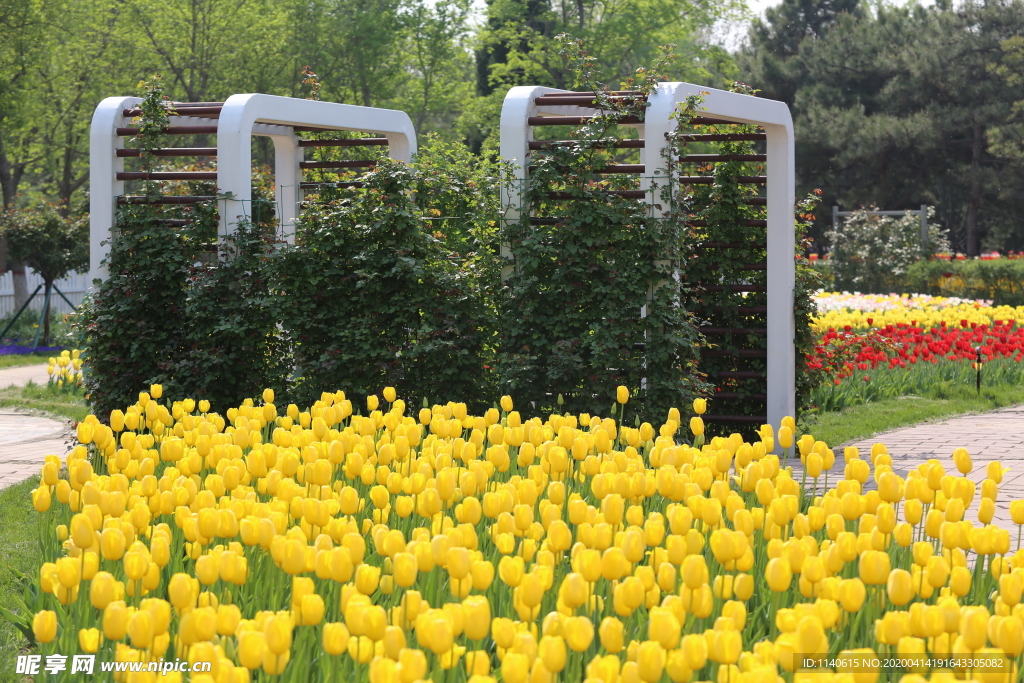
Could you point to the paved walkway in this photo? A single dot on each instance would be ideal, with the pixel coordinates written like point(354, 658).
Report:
point(26, 440)
point(22, 375)
point(994, 436)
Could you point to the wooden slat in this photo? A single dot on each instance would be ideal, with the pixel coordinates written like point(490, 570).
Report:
point(170, 199)
point(312, 186)
point(628, 194)
point(173, 130)
point(724, 137)
point(710, 180)
point(204, 111)
point(611, 168)
point(747, 222)
point(176, 175)
point(582, 100)
point(708, 158)
point(614, 144)
point(355, 142)
point(742, 374)
point(574, 120)
point(337, 164)
point(171, 152)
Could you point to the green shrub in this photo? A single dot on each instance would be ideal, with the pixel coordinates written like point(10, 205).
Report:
point(871, 254)
point(134, 323)
point(371, 298)
point(823, 268)
point(1000, 280)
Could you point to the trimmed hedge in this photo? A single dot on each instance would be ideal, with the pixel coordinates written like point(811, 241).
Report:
point(1001, 280)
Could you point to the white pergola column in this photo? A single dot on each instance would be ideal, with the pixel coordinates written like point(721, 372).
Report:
point(104, 188)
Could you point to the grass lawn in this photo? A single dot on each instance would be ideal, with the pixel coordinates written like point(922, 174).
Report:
point(867, 419)
point(40, 398)
point(17, 360)
point(19, 553)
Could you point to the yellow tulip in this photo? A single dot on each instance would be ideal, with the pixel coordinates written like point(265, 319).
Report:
point(335, 638)
point(278, 632)
point(650, 661)
point(515, 668)
point(786, 437)
point(44, 626)
point(252, 645)
point(89, 640)
point(778, 574)
point(900, 587)
point(578, 633)
point(874, 567)
point(552, 653)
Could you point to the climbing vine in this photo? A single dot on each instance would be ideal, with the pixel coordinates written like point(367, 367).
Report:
point(589, 261)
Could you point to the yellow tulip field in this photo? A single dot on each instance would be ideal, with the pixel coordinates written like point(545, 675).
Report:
point(402, 545)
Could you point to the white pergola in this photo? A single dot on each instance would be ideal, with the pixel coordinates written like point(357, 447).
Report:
point(525, 105)
point(234, 122)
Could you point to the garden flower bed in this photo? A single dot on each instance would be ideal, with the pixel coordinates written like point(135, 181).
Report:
point(284, 544)
point(874, 346)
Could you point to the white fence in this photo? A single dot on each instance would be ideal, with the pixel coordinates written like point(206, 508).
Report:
point(73, 286)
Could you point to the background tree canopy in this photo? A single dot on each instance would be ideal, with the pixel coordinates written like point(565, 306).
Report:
point(901, 106)
point(894, 106)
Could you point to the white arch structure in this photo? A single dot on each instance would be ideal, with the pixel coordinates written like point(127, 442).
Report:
point(516, 132)
point(234, 122)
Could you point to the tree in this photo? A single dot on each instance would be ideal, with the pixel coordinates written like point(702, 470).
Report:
point(518, 44)
point(49, 242)
point(440, 68)
point(354, 45)
point(775, 41)
point(894, 107)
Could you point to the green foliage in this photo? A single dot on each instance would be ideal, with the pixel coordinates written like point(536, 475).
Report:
point(156, 116)
point(134, 322)
point(47, 240)
point(871, 254)
point(371, 298)
point(727, 246)
point(1007, 139)
point(181, 311)
point(824, 270)
point(520, 43)
point(571, 320)
point(19, 543)
point(898, 106)
point(1000, 280)
point(232, 348)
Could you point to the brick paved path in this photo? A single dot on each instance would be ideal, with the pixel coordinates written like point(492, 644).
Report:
point(998, 435)
point(26, 440)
